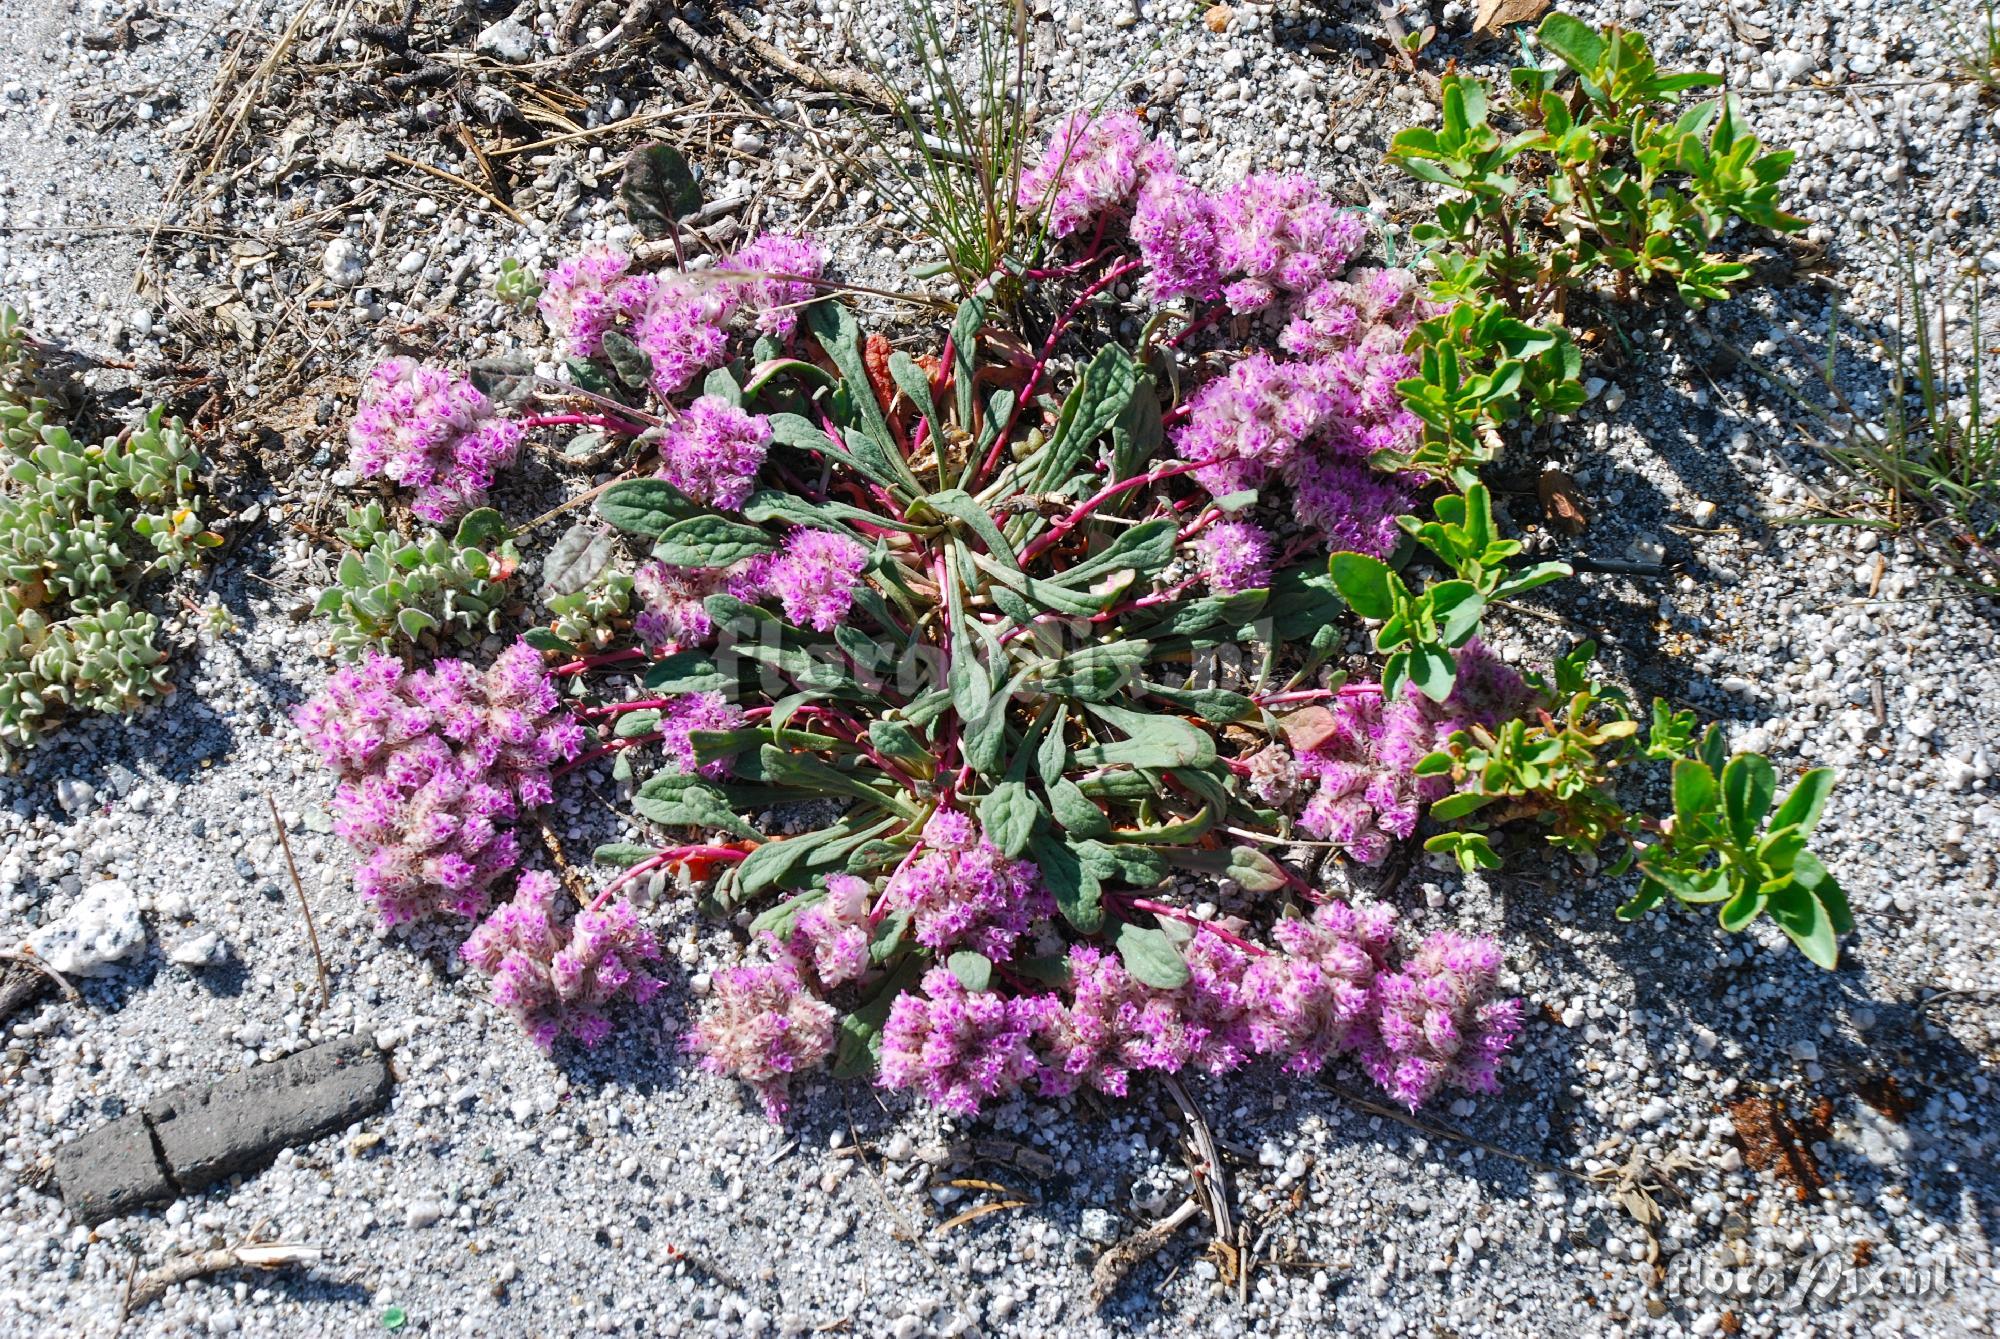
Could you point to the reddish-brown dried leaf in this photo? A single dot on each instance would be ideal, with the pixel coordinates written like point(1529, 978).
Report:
point(1774, 1142)
point(1497, 14)
point(1883, 1093)
point(1562, 502)
point(1309, 728)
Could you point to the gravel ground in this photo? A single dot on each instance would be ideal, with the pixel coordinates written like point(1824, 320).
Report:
point(1605, 1190)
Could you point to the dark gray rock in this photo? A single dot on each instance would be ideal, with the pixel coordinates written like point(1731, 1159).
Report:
point(239, 1124)
point(112, 1171)
point(196, 1136)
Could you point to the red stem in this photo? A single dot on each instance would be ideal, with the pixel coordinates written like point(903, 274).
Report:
point(1062, 325)
point(620, 708)
point(726, 854)
point(1103, 495)
point(600, 661)
point(617, 425)
point(1186, 918)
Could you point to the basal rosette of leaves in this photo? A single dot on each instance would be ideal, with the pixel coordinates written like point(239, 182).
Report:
point(997, 672)
point(1005, 629)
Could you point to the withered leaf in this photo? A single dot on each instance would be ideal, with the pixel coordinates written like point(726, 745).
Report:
point(1497, 14)
point(1562, 502)
point(657, 189)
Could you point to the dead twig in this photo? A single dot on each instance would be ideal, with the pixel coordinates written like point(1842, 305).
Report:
point(153, 1284)
point(27, 959)
point(848, 83)
point(18, 988)
point(979, 1211)
point(594, 132)
point(312, 931)
point(1210, 1178)
point(457, 180)
point(1122, 1257)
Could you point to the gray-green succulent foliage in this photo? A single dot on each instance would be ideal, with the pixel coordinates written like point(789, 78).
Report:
point(83, 529)
point(425, 591)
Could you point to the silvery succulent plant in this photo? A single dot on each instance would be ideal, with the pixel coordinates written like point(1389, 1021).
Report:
point(423, 591)
point(82, 529)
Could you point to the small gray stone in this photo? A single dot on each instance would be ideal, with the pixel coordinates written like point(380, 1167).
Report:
point(102, 930)
point(342, 263)
point(112, 1171)
point(202, 950)
point(507, 40)
point(240, 1123)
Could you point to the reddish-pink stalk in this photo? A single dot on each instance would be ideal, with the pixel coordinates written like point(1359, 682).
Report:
point(617, 425)
point(1167, 596)
point(726, 854)
point(1186, 918)
point(1089, 259)
point(1200, 523)
point(600, 661)
point(620, 708)
point(881, 907)
point(1062, 325)
point(1200, 323)
point(1070, 522)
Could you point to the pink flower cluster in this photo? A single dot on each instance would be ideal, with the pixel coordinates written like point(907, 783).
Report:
point(431, 764)
point(1090, 165)
point(580, 299)
point(813, 577)
point(1173, 226)
point(1271, 242)
point(1282, 236)
point(1254, 419)
point(1437, 1022)
point(680, 320)
point(1331, 990)
point(963, 893)
point(431, 430)
point(1235, 555)
point(833, 932)
point(1270, 237)
point(673, 613)
point(961, 1048)
point(691, 712)
point(1314, 424)
point(1329, 993)
point(553, 978)
point(1364, 796)
point(713, 450)
point(762, 1026)
point(776, 300)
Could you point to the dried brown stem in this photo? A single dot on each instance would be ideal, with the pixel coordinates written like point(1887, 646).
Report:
point(1122, 1257)
point(312, 932)
point(847, 83)
point(152, 1285)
